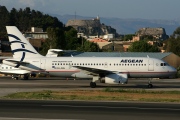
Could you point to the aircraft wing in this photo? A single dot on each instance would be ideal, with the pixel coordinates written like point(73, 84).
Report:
point(94, 71)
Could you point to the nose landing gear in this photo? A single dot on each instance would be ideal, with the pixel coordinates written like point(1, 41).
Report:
point(150, 84)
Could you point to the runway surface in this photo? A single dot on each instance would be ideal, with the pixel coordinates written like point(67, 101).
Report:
point(58, 110)
point(7, 85)
point(36, 110)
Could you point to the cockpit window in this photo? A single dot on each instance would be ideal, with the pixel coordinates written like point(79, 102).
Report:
point(164, 64)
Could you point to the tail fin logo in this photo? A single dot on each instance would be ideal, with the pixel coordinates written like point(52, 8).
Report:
point(23, 50)
point(17, 40)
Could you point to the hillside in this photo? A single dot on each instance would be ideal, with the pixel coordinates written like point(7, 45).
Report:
point(128, 26)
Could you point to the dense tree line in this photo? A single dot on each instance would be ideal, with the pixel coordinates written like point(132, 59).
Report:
point(173, 43)
point(27, 18)
point(60, 37)
point(143, 46)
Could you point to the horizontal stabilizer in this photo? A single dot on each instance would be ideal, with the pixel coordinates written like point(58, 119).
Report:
point(16, 62)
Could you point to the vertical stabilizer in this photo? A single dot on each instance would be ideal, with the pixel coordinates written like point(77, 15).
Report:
point(20, 47)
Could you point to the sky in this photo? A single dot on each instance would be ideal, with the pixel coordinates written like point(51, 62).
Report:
point(144, 9)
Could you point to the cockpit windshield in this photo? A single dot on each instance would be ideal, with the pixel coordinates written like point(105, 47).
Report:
point(164, 64)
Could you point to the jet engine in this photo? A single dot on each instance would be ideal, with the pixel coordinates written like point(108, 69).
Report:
point(115, 79)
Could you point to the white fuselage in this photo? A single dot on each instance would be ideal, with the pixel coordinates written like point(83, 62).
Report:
point(140, 67)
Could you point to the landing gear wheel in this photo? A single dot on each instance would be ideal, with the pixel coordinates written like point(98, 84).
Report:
point(15, 78)
point(92, 84)
point(26, 77)
point(150, 85)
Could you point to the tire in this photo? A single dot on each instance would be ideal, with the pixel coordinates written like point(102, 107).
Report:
point(92, 84)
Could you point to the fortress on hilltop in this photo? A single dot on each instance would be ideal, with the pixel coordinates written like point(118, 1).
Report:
point(91, 27)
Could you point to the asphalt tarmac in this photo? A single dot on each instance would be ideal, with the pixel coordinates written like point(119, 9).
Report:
point(8, 85)
point(83, 110)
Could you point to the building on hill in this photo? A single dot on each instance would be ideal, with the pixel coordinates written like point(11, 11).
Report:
point(156, 33)
point(36, 33)
point(91, 28)
point(108, 46)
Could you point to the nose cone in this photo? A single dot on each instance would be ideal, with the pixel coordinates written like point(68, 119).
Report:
point(172, 70)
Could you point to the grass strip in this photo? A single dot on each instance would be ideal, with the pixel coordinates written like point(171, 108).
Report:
point(107, 94)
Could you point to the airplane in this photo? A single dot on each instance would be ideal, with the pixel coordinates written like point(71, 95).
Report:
point(17, 72)
point(110, 70)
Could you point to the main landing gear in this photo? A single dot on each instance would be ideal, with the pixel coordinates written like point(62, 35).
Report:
point(16, 77)
point(93, 83)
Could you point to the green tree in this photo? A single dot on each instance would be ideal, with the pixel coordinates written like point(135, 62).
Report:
point(72, 42)
point(56, 35)
point(128, 37)
point(55, 40)
point(4, 20)
point(45, 47)
point(176, 33)
point(143, 46)
point(173, 45)
point(89, 47)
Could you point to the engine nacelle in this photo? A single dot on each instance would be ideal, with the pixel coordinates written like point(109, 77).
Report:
point(116, 79)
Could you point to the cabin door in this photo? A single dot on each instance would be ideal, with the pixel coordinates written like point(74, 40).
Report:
point(150, 65)
point(42, 64)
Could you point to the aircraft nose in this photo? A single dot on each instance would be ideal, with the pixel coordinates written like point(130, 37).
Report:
point(173, 70)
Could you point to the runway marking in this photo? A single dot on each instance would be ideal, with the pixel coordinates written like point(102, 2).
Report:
point(111, 107)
